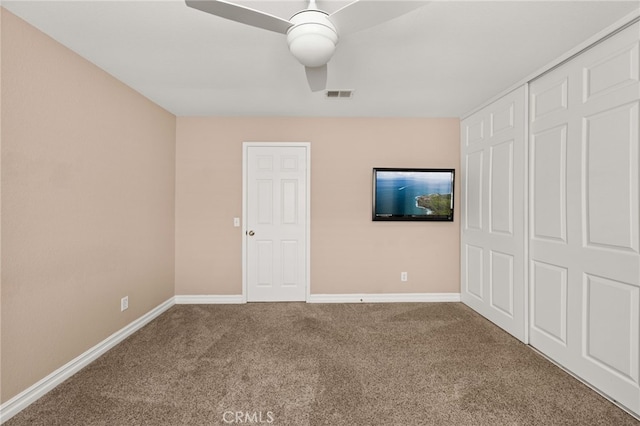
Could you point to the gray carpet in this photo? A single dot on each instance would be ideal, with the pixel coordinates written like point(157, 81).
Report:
point(312, 364)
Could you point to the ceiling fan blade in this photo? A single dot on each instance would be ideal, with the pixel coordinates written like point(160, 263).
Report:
point(317, 78)
point(363, 14)
point(241, 14)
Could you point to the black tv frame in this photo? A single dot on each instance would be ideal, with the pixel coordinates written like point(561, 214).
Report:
point(398, 215)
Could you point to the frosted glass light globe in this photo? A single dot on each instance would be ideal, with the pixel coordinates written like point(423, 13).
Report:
point(312, 39)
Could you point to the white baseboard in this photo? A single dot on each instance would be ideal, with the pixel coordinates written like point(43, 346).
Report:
point(384, 298)
point(33, 393)
point(203, 299)
point(209, 299)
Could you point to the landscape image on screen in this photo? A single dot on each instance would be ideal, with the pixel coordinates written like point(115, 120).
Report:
point(414, 194)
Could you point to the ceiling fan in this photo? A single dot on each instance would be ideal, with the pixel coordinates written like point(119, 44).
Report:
point(313, 34)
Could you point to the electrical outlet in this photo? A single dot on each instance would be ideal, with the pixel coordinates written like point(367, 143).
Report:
point(404, 276)
point(124, 303)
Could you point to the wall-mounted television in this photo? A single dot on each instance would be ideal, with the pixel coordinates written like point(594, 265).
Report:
point(413, 194)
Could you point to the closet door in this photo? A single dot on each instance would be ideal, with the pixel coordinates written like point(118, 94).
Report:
point(493, 215)
point(584, 272)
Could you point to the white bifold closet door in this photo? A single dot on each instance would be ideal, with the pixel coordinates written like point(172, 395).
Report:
point(493, 214)
point(584, 271)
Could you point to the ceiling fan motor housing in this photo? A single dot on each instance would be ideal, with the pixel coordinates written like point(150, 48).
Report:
point(312, 38)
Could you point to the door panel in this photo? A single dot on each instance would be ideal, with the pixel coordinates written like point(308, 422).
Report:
point(549, 301)
point(611, 315)
point(493, 245)
point(501, 191)
point(473, 196)
point(474, 131)
point(264, 207)
point(474, 272)
point(501, 280)
point(264, 263)
point(502, 119)
point(611, 141)
point(552, 98)
point(276, 217)
point(289, 201)
point(290, 263)
point(548, 184)
point(583, 210)
point(613, 72)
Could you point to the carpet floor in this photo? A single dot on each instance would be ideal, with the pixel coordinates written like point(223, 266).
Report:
point(321, 364)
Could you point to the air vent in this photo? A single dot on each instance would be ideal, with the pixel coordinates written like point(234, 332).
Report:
point(339, 94)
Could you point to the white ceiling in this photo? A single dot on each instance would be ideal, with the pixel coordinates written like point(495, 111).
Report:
point(441, 60)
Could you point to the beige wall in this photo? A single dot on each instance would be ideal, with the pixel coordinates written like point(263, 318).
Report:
point(349, 252)
point(92, 172)
point(88, 172)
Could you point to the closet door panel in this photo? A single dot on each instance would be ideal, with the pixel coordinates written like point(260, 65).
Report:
point(548, 159)
point(501, 188)
point(493, 237)
point(610, 147)
point(584, 216)
point(473, 177)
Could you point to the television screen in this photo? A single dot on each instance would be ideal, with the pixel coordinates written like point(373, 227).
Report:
point(413, 194)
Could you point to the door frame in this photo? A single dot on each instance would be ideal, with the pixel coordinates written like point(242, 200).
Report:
point(245, 171)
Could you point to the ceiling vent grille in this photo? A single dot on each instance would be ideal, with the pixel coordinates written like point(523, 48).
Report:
point(339, 94)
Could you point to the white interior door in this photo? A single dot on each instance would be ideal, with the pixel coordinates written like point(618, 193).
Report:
point(583, 216)
point(493, 213)
point(276, 222)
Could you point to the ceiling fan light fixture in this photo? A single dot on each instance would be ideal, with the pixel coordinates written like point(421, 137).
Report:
point(312, 39)
point(312, 34)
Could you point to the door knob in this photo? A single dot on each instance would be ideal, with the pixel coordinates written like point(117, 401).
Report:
point(251, 233)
